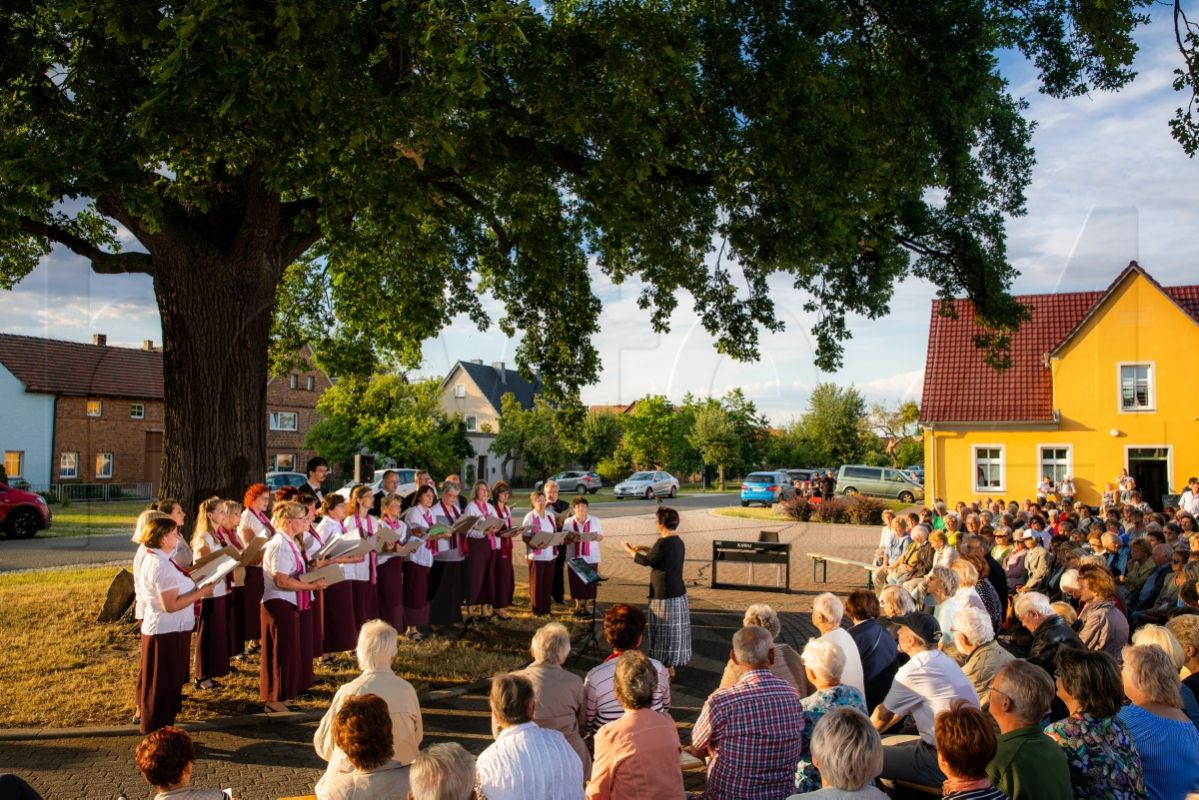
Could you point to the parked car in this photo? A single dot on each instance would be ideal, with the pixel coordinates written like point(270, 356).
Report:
point(576, 481)
point(407, 482)
point(277, 480)
point(648, 485)
point(878, 481)
point(917, 472)
point(802, 475)
point(22, 513)
point(767, 487)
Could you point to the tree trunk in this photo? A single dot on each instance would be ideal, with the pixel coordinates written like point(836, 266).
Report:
point(720, 476)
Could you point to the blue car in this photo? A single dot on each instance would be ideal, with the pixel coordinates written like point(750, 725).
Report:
point(766, 487)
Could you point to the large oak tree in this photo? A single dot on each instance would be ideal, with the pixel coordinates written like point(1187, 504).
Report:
point(362, 171)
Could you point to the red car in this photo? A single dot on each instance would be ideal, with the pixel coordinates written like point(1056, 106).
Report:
point(22, 514)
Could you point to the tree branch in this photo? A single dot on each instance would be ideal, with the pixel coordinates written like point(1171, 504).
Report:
point(103, 262)
point(523, 148)
point(479, 207)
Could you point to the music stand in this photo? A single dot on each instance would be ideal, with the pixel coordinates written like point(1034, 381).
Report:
point(586, 573)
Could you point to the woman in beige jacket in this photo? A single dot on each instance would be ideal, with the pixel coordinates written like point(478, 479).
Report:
point(561, 702)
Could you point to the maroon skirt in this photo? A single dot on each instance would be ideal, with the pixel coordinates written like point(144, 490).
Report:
point(503, 580)
point(316, 623)
point(251, 605)
point(341, 629)
point(480, 571)
point(416, 594)
point(308, 646)
point(212, 638)
point(445, 593)
point(391, 592)
point(366, 604)
point(160, 680)
point(541, 586)
point(578, 589)
point(282, 653)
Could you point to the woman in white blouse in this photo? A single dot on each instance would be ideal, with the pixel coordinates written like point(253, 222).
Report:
point(254, 524)
point(366, 574)
point(419, 519)
point(213, 634)
point(168, 617)
point(286, 632)
point(576, 547)
point(341, 626)
point(480, 554)
point(391, 566)
point(541, 560)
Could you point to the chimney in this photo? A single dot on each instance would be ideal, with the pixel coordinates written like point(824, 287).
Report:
point(476, 361)
point(498, 366)
point(100, 340)
point(147, 344)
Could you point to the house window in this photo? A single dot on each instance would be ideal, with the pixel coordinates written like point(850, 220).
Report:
point(103, 465)
point(472, 423)
point(14, 463)
point(137, 411)
point(1054, 462)
point(285, 421)
point(460, 390)
point(988, 469)
point(68, 465)
point(294, 380)
point(1136, 387)
point(311, 383)
point(95, 408)
point(285, 462)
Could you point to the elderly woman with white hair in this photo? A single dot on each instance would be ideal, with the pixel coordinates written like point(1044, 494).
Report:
point(786, 661)
point(827, 611)
point(442, 772)
point(943, 586)
point(823, 662)
point(895, 601)
point(848, 753)
point(1164, 639)
point(974, 639)
point(561, 699)
point(376, 648)
point(1165, 738)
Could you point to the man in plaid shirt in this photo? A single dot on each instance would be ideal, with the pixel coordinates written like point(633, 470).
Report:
point(752, 730)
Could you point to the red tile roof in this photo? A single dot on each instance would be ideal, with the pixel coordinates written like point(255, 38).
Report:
point(49, 366)
point(959, 386)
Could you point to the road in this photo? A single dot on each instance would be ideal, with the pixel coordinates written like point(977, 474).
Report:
point(99, 549)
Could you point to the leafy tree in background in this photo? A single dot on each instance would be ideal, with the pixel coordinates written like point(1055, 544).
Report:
point(359, 173)
point(393, 418)
point(600, 438)
point(648, 432)
point(752, 429)
point(790, 448)
point(835, 424)
point(715, 437)
point(895, 426)
point(530, 435)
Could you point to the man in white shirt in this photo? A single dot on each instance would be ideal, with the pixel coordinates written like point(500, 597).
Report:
point(827, 611)
point(928, 684)
point(1189, 499)
point(526, 762)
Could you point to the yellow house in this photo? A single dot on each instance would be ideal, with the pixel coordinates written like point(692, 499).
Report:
point(1100, 382)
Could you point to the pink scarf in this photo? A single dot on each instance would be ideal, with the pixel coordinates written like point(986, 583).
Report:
point(196, 606)
point(490, 535)
point(459, 539)
point(370, 531)
point(431, 543)
point(584, 546)
point(265, 520)
point(506, 542)
point(303, 598)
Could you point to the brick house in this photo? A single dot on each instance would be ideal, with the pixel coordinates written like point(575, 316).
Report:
point(72, 412)
point(473, 391)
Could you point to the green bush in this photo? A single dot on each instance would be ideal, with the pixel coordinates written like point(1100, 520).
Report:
point(797, 508)
point(830, 509)
point(862, 510)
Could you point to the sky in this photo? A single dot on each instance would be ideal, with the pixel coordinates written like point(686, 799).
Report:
point(1110, 185)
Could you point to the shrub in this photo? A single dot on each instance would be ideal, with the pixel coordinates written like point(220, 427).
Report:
point(863, 510)
point(830, 509)
point(797, 508)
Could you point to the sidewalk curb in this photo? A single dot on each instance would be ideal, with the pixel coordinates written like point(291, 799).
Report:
point(218, 724)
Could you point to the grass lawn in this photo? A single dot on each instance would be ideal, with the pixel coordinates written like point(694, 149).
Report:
point(759, 512)
point(82, 518)
point(62, 668)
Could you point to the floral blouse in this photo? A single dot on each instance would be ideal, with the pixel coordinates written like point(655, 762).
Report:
point(815, 706)
point(1103, 758)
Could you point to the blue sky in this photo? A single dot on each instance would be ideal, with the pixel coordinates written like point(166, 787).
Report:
point(1110, 185)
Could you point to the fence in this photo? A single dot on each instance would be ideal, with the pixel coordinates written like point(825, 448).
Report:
point(99, 492)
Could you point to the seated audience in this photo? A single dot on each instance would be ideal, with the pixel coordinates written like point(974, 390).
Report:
point(1050, 633)
point(442, 772)
point(1101, 625)
point(1028, 765)
point(1099, 748)
point(824, 663)
point(165, 759)
point(736, 721)
point(376, 650)
point(1166, 740)
point(849, 755)
point(786, 661)
point(1139, 568)
point(526, 761)
point(1162, 638)
point(362, 731)
point(624, 627)
point(895, 601)
point(559, 693)
point(876, 646)
point(1065, 611)
point(1156, 585)
point(638, 754)
point(929, 683)
point(827, 612)
point(974, 639)
point(1186, 631)
point(965, 745)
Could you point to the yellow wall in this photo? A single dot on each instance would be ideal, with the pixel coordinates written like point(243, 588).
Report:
point(473, 404)
point(1137, 323)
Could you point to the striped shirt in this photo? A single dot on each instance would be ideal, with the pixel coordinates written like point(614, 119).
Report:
point(602, 705)
point(989, 793)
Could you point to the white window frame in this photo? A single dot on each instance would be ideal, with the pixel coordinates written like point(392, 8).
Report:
point(137, 411)
point(100, 459)
point(1069, 448)
point(63, 471)
point(460, 390)
point(311, 383)
point(20, 471)
point(279, 468)
point(87, 409)
point(276, 420)
point(1152, 400)
point(293, 381)
point(472, 422)
point(1002, 487)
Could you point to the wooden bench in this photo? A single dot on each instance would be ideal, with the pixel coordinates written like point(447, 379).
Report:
point(822, 560)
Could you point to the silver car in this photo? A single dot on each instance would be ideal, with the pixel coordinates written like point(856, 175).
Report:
point(648, 485)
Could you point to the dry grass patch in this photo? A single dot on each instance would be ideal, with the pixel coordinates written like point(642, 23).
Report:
point(64, 669)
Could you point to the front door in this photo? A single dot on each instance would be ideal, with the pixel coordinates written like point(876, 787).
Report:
point(483, 468)
point(1150, 468)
